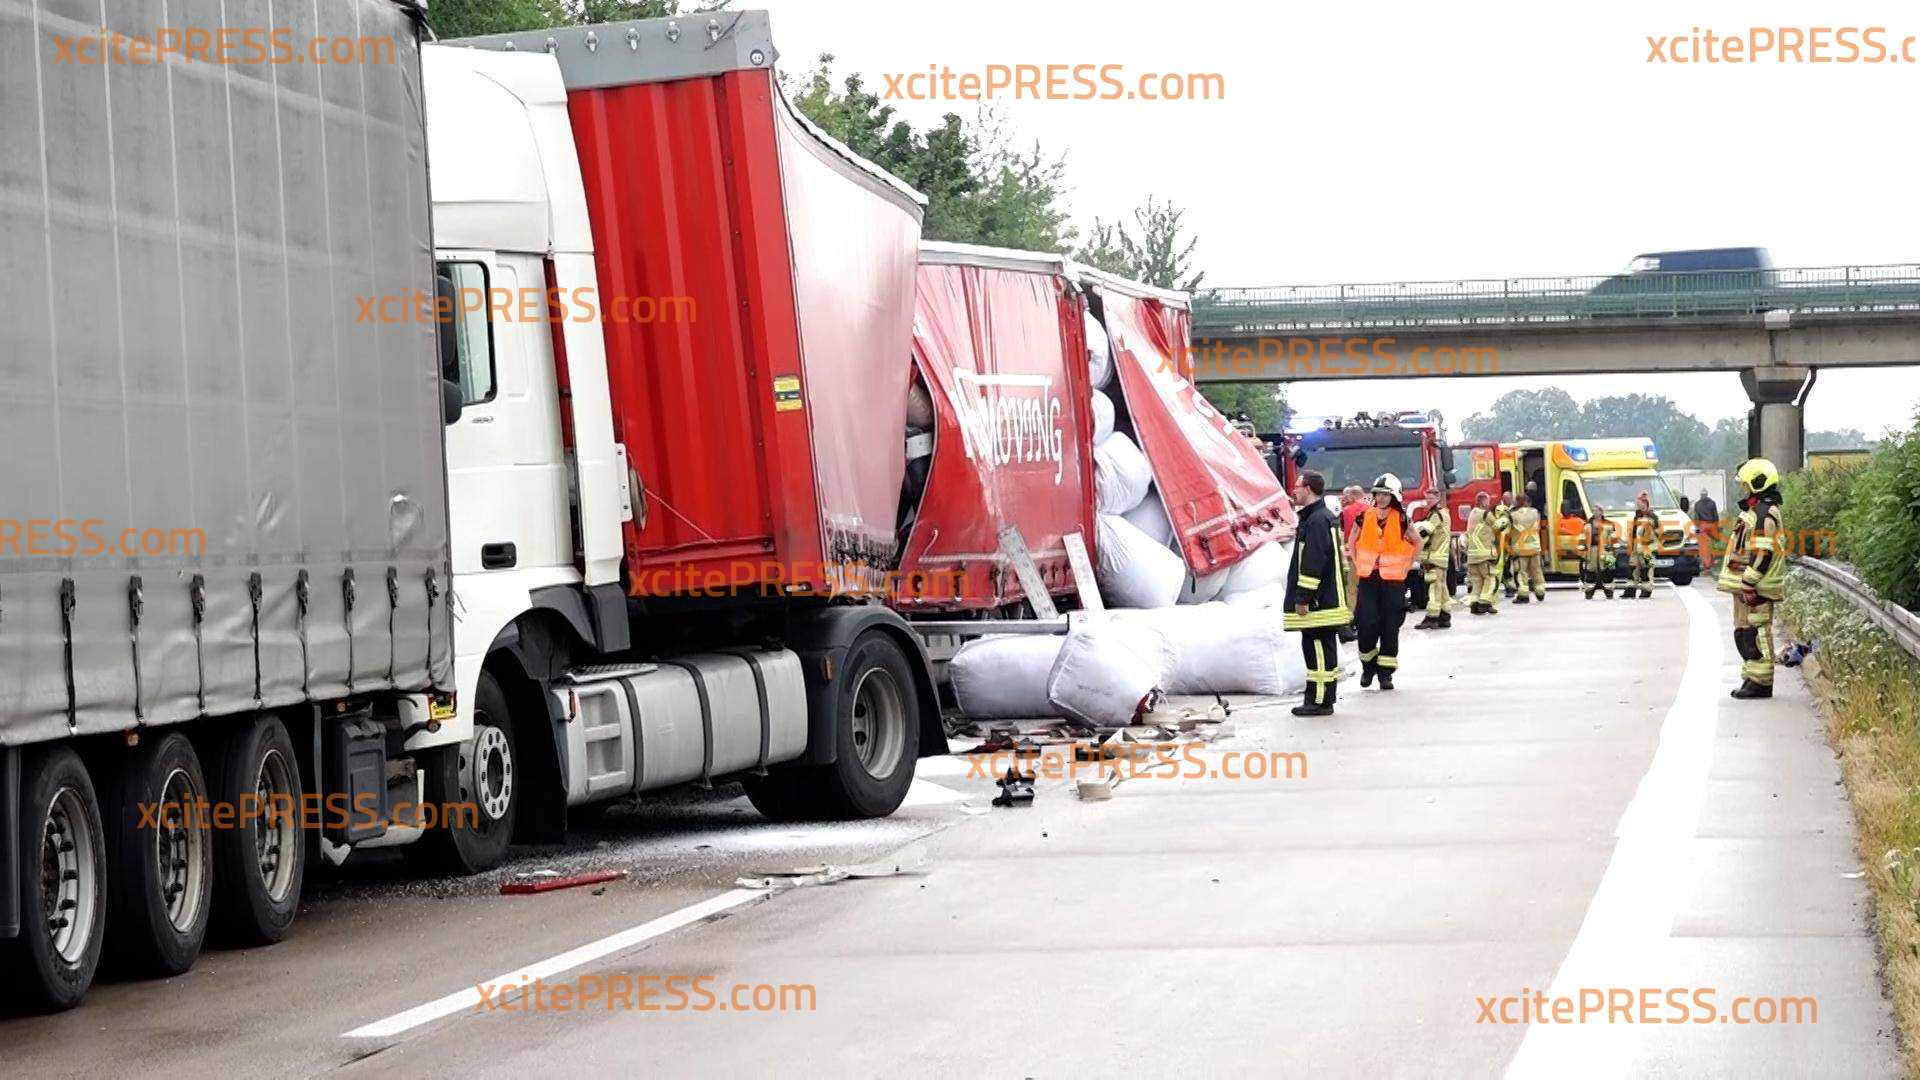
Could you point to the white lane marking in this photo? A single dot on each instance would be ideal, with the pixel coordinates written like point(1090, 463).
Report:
point(469, 998)
point(928, 793)
point(1630, 918)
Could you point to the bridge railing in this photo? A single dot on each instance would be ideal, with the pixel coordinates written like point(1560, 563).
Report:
point(1649, 295)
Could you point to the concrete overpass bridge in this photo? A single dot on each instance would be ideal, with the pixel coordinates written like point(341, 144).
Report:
point(1776, 328)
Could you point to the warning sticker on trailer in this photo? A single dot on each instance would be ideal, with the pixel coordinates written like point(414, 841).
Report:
point(786, 393)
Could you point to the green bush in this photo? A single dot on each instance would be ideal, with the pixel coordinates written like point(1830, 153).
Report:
point(1880, 524)
point(1812, 504)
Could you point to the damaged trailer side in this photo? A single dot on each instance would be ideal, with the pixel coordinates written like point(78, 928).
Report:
point(999, 345)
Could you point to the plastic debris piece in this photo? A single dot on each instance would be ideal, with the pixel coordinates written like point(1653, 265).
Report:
point(540, 881)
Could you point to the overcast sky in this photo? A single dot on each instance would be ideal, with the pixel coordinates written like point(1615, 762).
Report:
point(1374, 142)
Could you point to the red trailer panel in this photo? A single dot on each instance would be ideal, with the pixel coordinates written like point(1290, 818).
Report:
point(763, 425)
point(1002, 349)
point(1222, 498)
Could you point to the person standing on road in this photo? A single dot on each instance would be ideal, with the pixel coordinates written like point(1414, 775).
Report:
point(1643, 541)
point(1706, 526)
point(1483, 544)
point(1436, 558)
point(1353, 503)
point(1507, 503)
point(1597, 563)
point(1383, 554)
point(1755, 572)
point(1316, 600)
point(1525, 530)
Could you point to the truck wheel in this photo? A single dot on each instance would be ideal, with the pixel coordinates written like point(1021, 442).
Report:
point(63, 877)
point(877, 725)
point(476, 791)
point(1681, 580)
point(259, 863)
point(161, 851)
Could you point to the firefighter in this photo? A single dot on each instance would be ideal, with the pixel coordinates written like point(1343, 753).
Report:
point(1597, 560)
point(1754, 570)
point(1436, 555)
point(1483, 544)
point(1317, 604)
point(1507, 504)
point(1383, 554)
point(1643, 541)
point(1527, 572)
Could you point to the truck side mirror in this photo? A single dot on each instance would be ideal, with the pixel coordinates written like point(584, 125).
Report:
point(1453, 478)
point(452, 402)
point(1446, 461)
point(1299, 459)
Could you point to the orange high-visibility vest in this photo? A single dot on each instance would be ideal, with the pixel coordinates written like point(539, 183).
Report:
point(1381, 542)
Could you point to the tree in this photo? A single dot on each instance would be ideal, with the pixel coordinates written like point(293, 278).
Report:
point(1525, 414)
point(471, 18)
point(980, 188)
point(1682, 438)
point(1158, 256)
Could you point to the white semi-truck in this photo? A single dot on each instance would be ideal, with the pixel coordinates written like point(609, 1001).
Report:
point(429, 549)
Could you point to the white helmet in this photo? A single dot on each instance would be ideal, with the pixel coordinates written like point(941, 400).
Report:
point(1388, 483)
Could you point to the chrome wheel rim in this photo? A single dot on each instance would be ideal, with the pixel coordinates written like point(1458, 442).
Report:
point(68, 875)
point(276, 838)
point(879, 722)
point(180, 852)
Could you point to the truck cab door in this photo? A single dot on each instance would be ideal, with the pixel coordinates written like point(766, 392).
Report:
point(506, 469)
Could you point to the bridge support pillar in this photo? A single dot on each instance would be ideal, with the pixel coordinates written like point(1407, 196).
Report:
point(1776, 428)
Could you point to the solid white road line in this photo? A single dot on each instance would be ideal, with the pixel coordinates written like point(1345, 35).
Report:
point(1630, 918)
point(470, 998)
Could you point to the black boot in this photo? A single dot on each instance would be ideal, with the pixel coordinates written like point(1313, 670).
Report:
point(1313, 710)
point(1750, 689)
point(1386, 679)
point(1521, 599)
point(1366, 673)
point(1446, 619)
point(1431, 622)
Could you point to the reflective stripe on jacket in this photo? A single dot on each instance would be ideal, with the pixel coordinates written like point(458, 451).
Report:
point(1318, 576)
point(1526, 531)
point(1439, 546)
point(1382, 542)
point(1755, 558)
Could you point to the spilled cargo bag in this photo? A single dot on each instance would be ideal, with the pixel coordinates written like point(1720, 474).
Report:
point(1134, 571)
point(1222, 649)
point(1099, 353)
point(1121, 475)
point(1004, 676)
point(1102, 417)
point(1150, 517)
point(1264, 565)
point(1109, 671)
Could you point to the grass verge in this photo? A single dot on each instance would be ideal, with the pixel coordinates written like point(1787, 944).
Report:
point(1870, 688)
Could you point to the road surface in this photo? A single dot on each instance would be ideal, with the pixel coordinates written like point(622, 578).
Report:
point(1559, 799)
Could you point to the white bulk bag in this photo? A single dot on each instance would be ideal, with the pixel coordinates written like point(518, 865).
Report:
point(1099, 353)
point(1263, 565)
point(1102, 416)
point(1004, 676)
point(1108, 671)
point(1121, 475)
point(1222, 649)
point(1266, 596)
point(1202, 588)
point(1150, 517)
point(1133, 570)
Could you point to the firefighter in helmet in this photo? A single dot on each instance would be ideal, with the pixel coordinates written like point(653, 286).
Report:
point(1383, 552)
point(1754, 570)
point(1643, 544)
point(1436, 556)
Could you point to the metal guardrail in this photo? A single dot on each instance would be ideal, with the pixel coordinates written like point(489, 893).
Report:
point(1549, 300)
point(1902, 625)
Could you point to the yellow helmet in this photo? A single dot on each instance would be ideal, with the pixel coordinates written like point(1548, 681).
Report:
point(1758, 474)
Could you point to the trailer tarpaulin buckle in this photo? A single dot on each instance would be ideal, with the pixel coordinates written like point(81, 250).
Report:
point(393, 613)
point(348, 591)
point(136, 605)
point(197, 596)
point(255, 590)
point(68, 601)
point(303, 601)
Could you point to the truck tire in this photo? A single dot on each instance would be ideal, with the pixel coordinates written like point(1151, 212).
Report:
point(63, 876)
point(877, 725)
point(477, 775)
point(160, 850)
point(260, 863)
point(1681, 580)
